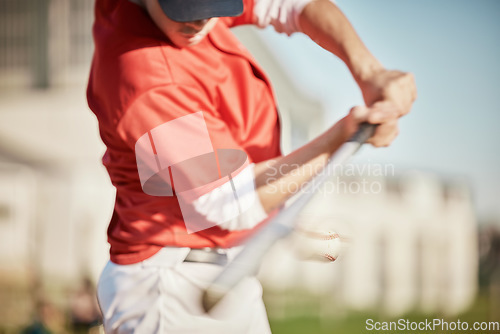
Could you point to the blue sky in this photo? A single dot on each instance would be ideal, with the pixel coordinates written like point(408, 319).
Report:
point(453, 48)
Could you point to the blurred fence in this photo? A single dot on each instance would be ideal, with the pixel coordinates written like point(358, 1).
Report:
point(42, 42)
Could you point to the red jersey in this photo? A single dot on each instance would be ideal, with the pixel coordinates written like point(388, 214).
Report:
point(139, 81)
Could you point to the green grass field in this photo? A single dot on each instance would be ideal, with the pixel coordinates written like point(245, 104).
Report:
point(305, 321)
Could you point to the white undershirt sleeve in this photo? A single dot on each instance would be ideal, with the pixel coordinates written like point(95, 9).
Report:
point(283, 15)
point(235, 205)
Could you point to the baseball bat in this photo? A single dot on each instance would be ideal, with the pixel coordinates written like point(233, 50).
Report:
point(248, 260)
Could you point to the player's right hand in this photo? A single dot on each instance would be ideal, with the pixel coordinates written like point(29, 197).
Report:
point(388, 87)
point(385, 114)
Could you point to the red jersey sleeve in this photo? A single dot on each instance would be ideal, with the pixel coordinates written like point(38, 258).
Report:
point(247, 17)
point(167, 103)
point(180, 141)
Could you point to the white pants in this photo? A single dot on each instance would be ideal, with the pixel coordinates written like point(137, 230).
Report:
point(163, 295)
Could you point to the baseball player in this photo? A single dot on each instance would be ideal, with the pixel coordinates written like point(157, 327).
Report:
point(192, 134)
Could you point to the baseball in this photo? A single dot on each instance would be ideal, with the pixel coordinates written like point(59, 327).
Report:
point(322, 246)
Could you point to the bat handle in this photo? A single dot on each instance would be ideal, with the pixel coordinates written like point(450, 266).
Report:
point(365, 131)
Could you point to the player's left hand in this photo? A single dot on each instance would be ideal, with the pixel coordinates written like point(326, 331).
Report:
point(388, 87)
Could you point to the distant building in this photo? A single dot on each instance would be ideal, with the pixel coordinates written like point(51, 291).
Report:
point(409, 245)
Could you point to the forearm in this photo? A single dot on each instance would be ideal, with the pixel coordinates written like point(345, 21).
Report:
point(325, 24)
point(278, 179)
point(387, 94)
